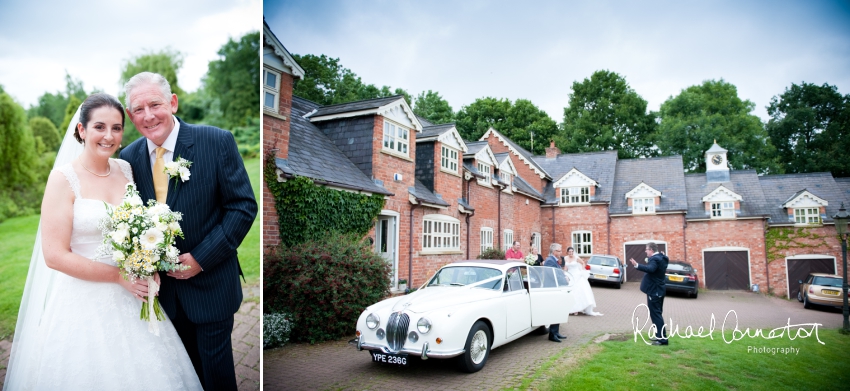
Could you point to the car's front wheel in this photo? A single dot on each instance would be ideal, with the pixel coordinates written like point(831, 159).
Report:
point(800, 297)
point(477, 348)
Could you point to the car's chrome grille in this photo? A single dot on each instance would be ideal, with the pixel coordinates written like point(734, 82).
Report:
point(397, 330)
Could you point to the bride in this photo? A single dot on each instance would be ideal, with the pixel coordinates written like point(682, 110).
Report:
point(583, 294)
point(78, 326)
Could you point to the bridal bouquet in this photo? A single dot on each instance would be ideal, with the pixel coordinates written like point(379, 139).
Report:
point(530, 259)
point(141, 241)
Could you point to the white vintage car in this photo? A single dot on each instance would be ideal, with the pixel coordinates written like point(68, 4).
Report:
point(466, 309)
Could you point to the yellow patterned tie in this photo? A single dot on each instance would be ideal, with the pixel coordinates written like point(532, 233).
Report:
point(160, 180)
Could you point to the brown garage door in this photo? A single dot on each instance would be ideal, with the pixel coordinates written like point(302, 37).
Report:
point(636, 251)
point(799, 269)
point(727, 270)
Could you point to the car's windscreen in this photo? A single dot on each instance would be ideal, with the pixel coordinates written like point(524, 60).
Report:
point(827, 281)
point(678, 268)
point(466, 275)
point(603, 261)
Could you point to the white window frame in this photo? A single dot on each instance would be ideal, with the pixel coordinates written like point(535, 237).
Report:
point(486, 171)
point(440, 233)
point(508, 239)
point(449, 159)
point(396, 139)
point(582, 242)
point(723, 210)
point(808, 215)
point(643, 205)
point(486, 238)
point(535, 241)
point(575, 195)
point(506, 177)
point(274, 89)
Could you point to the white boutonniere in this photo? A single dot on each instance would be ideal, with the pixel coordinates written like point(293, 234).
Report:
point(178, 169)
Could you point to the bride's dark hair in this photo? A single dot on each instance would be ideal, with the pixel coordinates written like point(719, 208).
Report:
point(93, 102)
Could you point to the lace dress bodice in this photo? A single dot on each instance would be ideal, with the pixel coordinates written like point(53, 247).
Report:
point(574, 267)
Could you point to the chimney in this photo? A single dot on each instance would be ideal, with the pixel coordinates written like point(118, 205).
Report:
point(552, 151)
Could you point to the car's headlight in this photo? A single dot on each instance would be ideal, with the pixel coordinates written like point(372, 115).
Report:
point(424, 325)
point(372, 321)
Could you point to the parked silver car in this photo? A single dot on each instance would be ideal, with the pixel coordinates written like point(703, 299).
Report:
point(606, 268)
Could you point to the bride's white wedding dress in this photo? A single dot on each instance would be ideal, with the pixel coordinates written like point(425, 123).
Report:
point(582, 294)
point(90, 334)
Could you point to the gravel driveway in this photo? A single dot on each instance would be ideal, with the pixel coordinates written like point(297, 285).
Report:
point(339, 366)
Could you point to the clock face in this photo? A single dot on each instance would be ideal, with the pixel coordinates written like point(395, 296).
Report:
point(717, 159)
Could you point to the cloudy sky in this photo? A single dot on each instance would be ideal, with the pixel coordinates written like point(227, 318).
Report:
point(536, 49)
point(40, 40)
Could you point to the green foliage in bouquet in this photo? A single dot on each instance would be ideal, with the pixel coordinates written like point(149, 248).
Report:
point(324, 284)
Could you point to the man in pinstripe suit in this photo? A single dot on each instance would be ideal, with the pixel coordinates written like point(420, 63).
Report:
point(218, 209)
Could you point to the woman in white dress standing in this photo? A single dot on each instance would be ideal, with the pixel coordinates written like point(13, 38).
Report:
point(583, 294)
point(78, 327)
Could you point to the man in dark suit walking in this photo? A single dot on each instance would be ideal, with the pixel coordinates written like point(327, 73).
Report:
point(653, 284)
point(218, 206)
point(552, 261)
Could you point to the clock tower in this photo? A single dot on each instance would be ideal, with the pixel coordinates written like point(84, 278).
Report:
point(716, 167)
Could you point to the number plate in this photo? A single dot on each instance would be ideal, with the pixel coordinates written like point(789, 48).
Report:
point(831, 292)
point(601, 276)
point(676, 278)
point(387, 358)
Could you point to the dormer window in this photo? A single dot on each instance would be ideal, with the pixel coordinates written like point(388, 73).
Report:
point(722, 209)
point(485, 170)
point(271, 90)
point(643, 205)
point(807, 216)
point(396, 138)
point(575, 195)
point(448, 160)
point(506, 177)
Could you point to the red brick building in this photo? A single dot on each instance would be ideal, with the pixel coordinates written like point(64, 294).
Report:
point(449, 199)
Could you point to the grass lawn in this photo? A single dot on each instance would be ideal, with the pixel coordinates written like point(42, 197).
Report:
point(17, 236)
point(705, 364)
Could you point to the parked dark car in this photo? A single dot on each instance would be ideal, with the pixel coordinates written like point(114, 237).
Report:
point(821, 289)
point(606, 268)
point(682, 277)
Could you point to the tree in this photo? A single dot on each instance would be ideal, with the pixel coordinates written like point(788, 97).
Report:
point(809, 127)
point(44, 130)
point(71, 109)
point(52, 106)
point(431, 106)
point(167, 63)
point(517, 121)
point(18, 162)
point(234, 78)
point(327, 82)
point(605, 113)
point(699, 115)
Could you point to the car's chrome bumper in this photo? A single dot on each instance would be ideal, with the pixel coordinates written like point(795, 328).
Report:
point(425, 352)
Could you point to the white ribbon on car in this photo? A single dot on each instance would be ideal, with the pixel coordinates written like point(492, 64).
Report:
point(153, 322)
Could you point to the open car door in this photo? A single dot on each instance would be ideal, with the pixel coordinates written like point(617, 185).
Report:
point(550, 294)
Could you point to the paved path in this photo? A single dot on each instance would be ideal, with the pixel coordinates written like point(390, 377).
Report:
point(245, 338)
point(338, 365)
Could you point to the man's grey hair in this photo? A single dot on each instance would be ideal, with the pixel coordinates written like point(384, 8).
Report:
point(652, 246)
point(146, 78)
point(552, 248)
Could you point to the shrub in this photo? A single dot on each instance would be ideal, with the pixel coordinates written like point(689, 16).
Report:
point(492, 253)
point(324, 284)
point(276, 330)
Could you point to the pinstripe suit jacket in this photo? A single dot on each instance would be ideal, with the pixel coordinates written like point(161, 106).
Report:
point(218, 207)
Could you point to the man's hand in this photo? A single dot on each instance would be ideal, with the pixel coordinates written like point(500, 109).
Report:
point(193, 270)
point(632, 260)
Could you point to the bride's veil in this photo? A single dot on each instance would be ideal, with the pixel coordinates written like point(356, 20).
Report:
point(25, 352)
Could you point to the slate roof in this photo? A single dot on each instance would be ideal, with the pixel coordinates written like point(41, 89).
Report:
point(424, 121)
point(468, 166)
point(599, 166)
point(474, 147)
point(314, 155)
point(355, 106)
point(779, 188)
point(844, 187)
point(745, 183)
point(527, 155)
point(462, 202)
point(429, 131)
point(421, 192)
point(523, 187)
point(665, 174)
point(500, 157)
